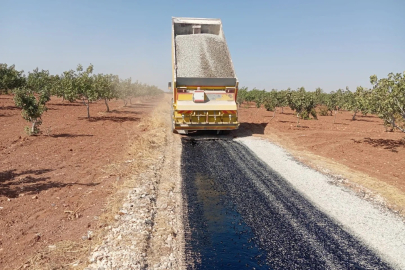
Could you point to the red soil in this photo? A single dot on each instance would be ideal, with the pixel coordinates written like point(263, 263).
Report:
point(44, 177)
point(362, 145)
point(67, 167)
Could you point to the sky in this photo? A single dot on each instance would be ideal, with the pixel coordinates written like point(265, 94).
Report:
point(273, 44)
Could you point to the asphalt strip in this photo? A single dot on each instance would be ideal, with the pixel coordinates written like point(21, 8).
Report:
point(380, 230)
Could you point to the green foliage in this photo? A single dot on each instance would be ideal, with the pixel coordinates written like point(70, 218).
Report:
point(258, 97)
point(323, 110)
point(387, 99)
point(358, 101)
point(10, 78)
point(33, 106)
point(127, 90)
point(106, 87)
point(319, 94)
point(302, 102)
point(85, 88)
point(31, 93)
point(270, 100)
point(242, 93)
point(33, 97)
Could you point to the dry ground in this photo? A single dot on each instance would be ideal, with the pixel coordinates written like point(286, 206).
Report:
point(359, 150)
point(53, 187)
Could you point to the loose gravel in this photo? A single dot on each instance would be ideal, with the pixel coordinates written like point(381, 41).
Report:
point(379, 229)
point(203, 56)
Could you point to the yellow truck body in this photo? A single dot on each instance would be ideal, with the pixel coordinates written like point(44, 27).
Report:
point(202, 103)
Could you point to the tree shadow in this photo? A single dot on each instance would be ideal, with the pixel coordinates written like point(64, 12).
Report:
point(388, 144)
point(300, 126)
point(13, 183)
point(283, 121)
point(116, 119)
point(248, 129)
point(120, 112)
point(67, 104)
point(288, 113)
point(65, 135)
point(363, 120)
point(140, 105)
point(9, 108)
point(10, 174)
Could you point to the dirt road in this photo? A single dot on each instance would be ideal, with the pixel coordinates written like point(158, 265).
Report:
point(249, 204)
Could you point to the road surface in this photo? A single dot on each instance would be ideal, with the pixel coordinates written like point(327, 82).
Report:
point(240, 213)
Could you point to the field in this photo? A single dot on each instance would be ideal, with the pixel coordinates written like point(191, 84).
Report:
point(360, 150)
point(55, 185)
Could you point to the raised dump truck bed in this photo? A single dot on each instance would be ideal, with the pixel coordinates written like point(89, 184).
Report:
point(204, 82)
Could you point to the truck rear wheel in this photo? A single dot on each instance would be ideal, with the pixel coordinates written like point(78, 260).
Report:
point(223, 132)
point(172, 119)
point(173, 130)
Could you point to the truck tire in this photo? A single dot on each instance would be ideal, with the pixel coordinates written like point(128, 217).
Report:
point(172, 119)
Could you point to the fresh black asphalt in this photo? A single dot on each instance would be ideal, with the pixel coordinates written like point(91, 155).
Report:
point(241, 214)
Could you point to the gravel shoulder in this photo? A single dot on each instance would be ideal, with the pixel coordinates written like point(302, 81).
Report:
point(167, 239)
point(381, 230)
point(148, 231)
point(359, 150)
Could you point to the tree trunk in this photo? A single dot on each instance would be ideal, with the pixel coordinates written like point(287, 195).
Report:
point(392, 123)
point(274, 114)
point(334, 119)
point(282, 109)
point(298, 119)
point(88, 108)
point(34, 123)
point(106, 104)
point(354, 115)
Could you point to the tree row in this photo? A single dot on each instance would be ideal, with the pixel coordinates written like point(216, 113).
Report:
point(386, 98)
point(33, 91)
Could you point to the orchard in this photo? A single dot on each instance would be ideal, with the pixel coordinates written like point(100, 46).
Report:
point(386, 99)
point(32, 92)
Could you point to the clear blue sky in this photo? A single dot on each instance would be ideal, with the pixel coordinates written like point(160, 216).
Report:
point(273, 44)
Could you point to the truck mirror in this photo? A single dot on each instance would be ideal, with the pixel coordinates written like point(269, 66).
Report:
point(169, 85)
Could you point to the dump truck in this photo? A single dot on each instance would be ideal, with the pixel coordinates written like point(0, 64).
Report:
point(204, 83)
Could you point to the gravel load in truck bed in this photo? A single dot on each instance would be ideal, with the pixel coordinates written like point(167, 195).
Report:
point(203, 56)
